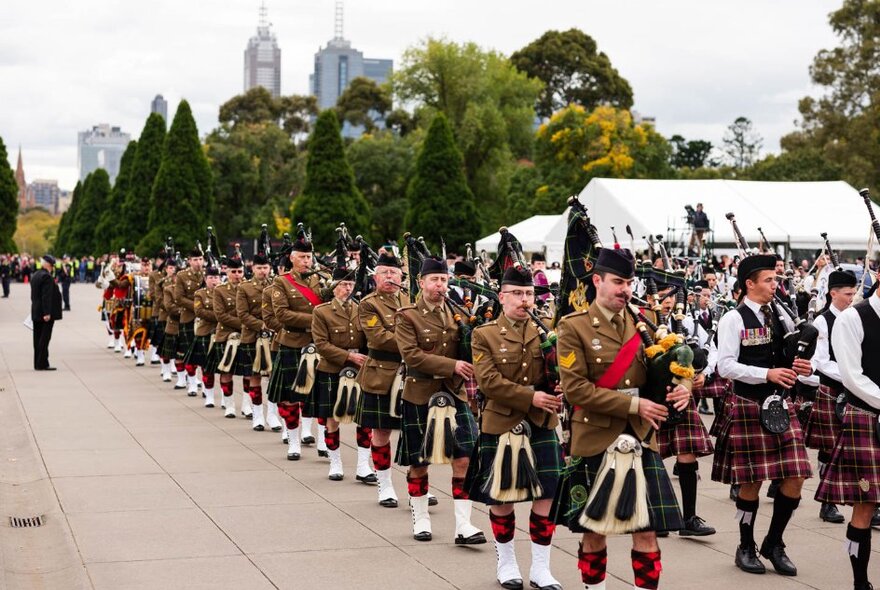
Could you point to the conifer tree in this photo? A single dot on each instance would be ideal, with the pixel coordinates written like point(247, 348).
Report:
point(62, 238)
point(95, 195)
point(136, 208)
point(440, 202)
point(8, 202)
point(108, 232)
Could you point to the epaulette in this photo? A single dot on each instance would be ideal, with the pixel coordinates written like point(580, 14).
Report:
point(486, 325)
point(320, 305)
point(406, 307)
point(575, 314)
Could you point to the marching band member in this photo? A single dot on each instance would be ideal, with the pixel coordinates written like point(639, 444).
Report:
point(168, 268)
point(228, 326)
point(172, 325)
point(248, 306)
point(267, 312)
point(155, 277)
point(204, 352)
point(188, 282)
point(140, 333)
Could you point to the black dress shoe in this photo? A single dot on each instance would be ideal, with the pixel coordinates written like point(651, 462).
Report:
point(278, 429)
point(432, 501)
point(388, 503)
point(734, 492)
point(423, 536)
point(180, 387)
point(475, 539)
point(514, 584)
point(323, 453)
point(675, 469)
point(369, 479)
point(773, 488)
point(865, 586)
point(259, 428)
point(293, 456)
point(335, 477)
point(829, 513)
point(747, 560)
point(875, 520)
point(781, 563)
point(662, 534)
point(704, 409)
point(550, 587)
point(155, 362)
point(308, 440)
point(191, 393)
point(285, 440)
point(49, 369)
point(696, 527)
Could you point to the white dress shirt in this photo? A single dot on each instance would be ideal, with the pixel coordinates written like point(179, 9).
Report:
point(846, 338)
point(822, 358)
point(729, 329)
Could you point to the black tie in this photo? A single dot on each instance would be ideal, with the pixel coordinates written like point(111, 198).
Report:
point(768, 319)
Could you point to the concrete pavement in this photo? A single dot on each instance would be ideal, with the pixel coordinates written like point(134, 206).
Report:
point(141, 486)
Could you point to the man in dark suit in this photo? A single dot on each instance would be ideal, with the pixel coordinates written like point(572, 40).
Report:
point(45, 309)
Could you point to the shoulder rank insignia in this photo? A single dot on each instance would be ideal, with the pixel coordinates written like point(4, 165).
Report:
point(568, 360)
point(373, 321)
point(595, 321)
point(477, 357)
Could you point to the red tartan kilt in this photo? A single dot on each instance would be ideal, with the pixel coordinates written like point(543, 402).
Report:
point(746, 453)
point(823, 427)
point(687, 437)
point(855, 460)
point(721, 414)
point(717, 388)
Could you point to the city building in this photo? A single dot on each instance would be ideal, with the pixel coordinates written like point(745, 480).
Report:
point(262, 58)
point(337, 64)
point(46, 194)
point(23, 202)
point(64, 199)
point(160, 105)
point(101, 147)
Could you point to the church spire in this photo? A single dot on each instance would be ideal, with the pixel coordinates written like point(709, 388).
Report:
point(22, 184)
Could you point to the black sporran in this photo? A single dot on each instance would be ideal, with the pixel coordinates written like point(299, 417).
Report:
point(804, 411)
point(840, 406)
point(774, 414)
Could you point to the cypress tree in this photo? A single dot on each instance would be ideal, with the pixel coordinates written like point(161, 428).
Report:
point(8, 202)
point(95, 194)
point(330, 195)
point(62, 238)
point(136, 208)
point(181, 201)
point(441, 205)
point(108, 232)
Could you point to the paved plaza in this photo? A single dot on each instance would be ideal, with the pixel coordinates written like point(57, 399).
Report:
point(141, 486)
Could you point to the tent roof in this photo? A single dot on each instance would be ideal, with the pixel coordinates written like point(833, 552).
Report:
point(533, 233)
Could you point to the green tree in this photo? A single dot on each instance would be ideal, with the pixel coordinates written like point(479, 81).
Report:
point(361, 102)
point(8, 202)
point(383, 165)
point(109, 233)
point(136, 207)
point(36, 232)
point(489, 105)
point(258, 106)
point(62, 237)
point(573, 71)
point(441, 204)
point(182, 200)
point(692, 154)
point(742, 143)
point(802, 165)
point(330, 195)
point(95, 196)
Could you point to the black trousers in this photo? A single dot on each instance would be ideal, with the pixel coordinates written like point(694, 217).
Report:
point(5, 281)
point(65, 294)
point(42, 335)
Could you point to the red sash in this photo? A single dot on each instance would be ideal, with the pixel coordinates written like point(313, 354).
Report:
point(304, 291)
point(621, 363)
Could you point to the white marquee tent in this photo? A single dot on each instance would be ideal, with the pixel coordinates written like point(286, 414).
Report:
point(791, 214)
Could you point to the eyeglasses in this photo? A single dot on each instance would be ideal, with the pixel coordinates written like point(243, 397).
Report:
point(519, 294)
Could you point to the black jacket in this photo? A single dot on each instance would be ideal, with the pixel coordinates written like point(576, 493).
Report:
point(45, 297)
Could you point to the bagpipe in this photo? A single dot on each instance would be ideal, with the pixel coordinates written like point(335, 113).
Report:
point(875, 236)
point(366, 268)
point(414, 253)
point(582, 244)
point(262, 364)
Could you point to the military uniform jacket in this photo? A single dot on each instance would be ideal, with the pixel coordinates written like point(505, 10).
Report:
point(159, 300)
point(267, 312)
point(155, 277)
point(224, 308)
point(428, 342)
point(172, 323)
point(376, 317)
point(587, 345)
point(509, 364)
point(249, 307)
point(336, 331)
point(188, 282)
point(292, 310)
point(206, 319)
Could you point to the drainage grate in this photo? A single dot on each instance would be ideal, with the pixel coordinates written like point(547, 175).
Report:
point(18, 522)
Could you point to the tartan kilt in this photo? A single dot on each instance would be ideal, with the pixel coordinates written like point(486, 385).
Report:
point(414, 423)
point(185, 336)
point(823, 427)
point(169, 346)
point(284, 368)
point(855, 462)
point(157, 333)
point(244, 360)
point(721, 414)
point(199, 355)
point(324, 397)
point(575, 486)
point(548, 464)
point(717, 388)
point(374, 411)
point(687, 437)
point(747, 453)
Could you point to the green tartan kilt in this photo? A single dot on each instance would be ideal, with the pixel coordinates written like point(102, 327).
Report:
point(157, 334)
point(374, 411)
point(185, 336)
point(244, 359)
point(169, 346)
point(576, 482)
point(324, 397)
point(285, 364)
point(199, 355)
point(548, 463)
point(414, 424)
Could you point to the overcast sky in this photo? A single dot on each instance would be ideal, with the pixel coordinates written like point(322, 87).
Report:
point(694, 65)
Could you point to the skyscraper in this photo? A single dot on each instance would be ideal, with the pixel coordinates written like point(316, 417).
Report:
point(337, 64)
point(160, 105)
point(46, 194)
point(262, 58)
point(101, 147)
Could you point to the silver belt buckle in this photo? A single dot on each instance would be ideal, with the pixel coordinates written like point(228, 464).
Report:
point(632, 391)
